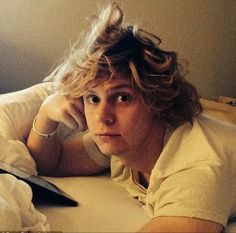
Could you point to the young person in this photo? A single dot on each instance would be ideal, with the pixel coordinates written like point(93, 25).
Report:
point(142, 119)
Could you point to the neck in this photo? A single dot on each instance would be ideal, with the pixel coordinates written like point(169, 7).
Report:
point(143, 158)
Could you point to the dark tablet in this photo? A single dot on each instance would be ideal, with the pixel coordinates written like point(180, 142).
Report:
point(43, 191)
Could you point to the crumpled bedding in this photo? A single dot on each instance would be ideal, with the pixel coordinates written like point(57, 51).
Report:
point(17, 111)
point(15, 152)
point(16, 208)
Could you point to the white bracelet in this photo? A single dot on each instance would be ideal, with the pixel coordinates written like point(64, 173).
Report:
point(44, 135)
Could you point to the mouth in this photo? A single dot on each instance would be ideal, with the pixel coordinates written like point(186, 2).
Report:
point(109, 138)
point(107, 134)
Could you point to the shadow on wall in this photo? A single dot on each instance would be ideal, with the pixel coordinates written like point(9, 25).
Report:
point(33, 35)
point(18, 64)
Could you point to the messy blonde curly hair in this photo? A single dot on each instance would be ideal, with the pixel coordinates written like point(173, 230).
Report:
point(112, 47)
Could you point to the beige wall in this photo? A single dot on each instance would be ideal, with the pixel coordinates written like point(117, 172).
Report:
point(36, 33)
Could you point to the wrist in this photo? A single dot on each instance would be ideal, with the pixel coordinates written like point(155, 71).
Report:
point(42, 124)
point(41, 133)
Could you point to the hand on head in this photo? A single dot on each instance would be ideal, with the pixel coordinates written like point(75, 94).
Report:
point(65, 109)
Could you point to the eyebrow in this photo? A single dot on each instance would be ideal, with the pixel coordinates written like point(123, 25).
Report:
point(112, 89)
point(121, 86)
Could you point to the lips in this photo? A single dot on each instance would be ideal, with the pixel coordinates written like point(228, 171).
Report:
point(107, 134)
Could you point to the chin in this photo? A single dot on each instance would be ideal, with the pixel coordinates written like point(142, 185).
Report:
point(111, 150)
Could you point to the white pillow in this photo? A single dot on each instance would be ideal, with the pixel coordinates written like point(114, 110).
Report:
point(219, 111)
point(17, 111)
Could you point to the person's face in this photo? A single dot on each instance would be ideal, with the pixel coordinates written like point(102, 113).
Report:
point(119, 121)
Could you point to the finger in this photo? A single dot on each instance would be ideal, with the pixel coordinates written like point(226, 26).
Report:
point(78, 113)
point(69, 121)
point(79, 104)
point(79, 118)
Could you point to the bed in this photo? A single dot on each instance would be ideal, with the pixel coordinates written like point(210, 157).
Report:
point(103, 205)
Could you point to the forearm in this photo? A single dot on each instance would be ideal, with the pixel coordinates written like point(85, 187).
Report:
point(44, 150)
point(181, 224)
point(50, 154)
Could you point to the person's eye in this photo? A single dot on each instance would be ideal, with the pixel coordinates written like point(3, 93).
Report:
point(92, 99)
point(124, 98)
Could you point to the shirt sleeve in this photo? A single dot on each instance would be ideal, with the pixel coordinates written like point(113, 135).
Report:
point(203, 192)
point(94, 153)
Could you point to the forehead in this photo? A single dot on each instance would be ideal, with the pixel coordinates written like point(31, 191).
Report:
point(117, 81)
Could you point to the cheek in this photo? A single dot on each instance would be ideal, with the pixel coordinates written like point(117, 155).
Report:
point(138, 122)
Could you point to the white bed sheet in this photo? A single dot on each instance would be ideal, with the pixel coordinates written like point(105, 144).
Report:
point(104, 206)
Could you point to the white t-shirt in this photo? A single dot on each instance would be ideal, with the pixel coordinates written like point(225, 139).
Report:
point(195, 175)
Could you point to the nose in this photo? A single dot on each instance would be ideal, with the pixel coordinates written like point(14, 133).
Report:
point(105, 113)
